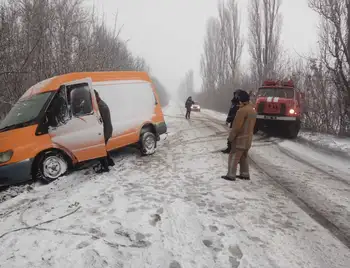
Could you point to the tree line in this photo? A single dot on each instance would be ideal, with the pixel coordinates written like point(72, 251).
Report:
point(325, 78)
point(44, 38)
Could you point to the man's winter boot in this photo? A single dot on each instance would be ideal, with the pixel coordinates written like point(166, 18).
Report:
point(100, 169)
point(110, 160)
point(226, 151)
point(247, 178)
point(228, 178)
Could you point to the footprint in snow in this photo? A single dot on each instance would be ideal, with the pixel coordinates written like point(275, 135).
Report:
point(83, 244)
point(154, 219)
point(92, 259)
point(175, 264)
point(236, 257)
point(213, 228)
point(208, 243)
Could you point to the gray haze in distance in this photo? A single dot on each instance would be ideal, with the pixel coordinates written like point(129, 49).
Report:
point(169, 34)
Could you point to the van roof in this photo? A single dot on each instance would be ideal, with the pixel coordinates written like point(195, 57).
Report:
point(53, 83)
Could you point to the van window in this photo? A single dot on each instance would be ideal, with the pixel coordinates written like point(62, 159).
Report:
point(81, 101)
point(287, 93)
point(57, 113)
point(25, 110)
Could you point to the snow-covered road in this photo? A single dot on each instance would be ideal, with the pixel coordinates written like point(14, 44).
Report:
point(173, 210)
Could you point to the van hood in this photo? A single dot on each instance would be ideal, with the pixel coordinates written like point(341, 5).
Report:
point(16, 137)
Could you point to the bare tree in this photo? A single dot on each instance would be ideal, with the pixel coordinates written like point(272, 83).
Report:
point(335, 50)
point(186, 87)
point(230, 36)
point(264, 37)
point(41, 38)
point(221, 57)
point(210, 58)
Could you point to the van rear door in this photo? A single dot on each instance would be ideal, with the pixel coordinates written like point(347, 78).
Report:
point(82, 132)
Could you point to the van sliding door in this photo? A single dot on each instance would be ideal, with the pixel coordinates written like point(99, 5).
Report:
point(82, 134)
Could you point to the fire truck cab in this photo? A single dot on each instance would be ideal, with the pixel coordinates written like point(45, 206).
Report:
point(279, 108)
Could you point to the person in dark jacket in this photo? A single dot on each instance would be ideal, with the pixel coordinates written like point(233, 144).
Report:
point(188, 104)
point(231, 116)
point(107, 130)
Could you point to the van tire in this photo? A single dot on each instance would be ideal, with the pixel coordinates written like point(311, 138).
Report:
point(50, 165)
point(148, 143)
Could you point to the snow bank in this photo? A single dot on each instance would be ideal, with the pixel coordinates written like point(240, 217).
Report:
point(325, 141)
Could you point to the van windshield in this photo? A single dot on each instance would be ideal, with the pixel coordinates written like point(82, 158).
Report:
point(25, 110)
point(287, 93)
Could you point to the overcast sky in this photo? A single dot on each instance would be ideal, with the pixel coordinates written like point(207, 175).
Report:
point(169, 34)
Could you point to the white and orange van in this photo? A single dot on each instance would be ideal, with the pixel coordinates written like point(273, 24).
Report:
point(56, 123)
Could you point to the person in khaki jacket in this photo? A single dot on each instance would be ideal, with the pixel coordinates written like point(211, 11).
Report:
point(241, 137)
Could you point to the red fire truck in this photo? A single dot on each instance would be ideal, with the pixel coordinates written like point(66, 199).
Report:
point(279, 108)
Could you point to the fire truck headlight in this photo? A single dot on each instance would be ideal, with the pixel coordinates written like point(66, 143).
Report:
point(291, 111)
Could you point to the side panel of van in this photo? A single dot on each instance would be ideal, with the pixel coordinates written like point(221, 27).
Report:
point(131, 103)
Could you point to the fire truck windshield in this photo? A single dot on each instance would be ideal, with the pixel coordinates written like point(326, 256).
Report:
point(287, 93)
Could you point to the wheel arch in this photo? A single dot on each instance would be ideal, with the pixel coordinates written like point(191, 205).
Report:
point(36, 160)
point(149, 126)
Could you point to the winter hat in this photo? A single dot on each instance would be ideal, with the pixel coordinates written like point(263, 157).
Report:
point(237, 91)
point(243, 96)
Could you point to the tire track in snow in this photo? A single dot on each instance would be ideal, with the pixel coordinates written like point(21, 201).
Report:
point(341, 234)
point(314, 213)
point(303, 161)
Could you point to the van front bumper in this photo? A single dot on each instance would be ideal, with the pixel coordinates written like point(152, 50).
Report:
point(15, 173)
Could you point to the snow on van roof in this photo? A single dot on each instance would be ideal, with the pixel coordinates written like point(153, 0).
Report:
point(53, 83)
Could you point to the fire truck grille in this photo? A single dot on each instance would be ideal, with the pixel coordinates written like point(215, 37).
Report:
point(283, 109)
point(261, 107)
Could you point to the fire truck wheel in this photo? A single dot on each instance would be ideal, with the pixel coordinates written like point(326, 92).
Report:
point(256, 129)
point(293, 130)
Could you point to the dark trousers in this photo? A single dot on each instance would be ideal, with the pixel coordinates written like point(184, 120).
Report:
point(229, 145)
point(188, 114)
point(107, 160)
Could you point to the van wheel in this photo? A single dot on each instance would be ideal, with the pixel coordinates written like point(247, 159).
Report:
point(50, 166)
point(293, 130)
point(148, 143)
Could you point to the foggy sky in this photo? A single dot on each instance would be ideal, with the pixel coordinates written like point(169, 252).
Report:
point(169, 34)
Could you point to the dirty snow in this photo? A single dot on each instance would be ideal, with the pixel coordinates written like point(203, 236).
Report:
point(173, 210)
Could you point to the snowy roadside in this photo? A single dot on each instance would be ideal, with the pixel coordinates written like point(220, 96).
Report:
point(169, 210)
point(324, 142)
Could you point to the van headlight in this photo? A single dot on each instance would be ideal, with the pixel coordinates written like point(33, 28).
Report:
point(6, 156)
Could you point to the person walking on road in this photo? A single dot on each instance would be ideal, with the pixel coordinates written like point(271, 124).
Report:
point(107, 130)
point(188, 104)
point(231, 116)
point(241, 137)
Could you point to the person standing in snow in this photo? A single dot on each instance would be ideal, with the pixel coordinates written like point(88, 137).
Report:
point(231, 116)
point(107, 130)
point(241, 135)
point(188, 104)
